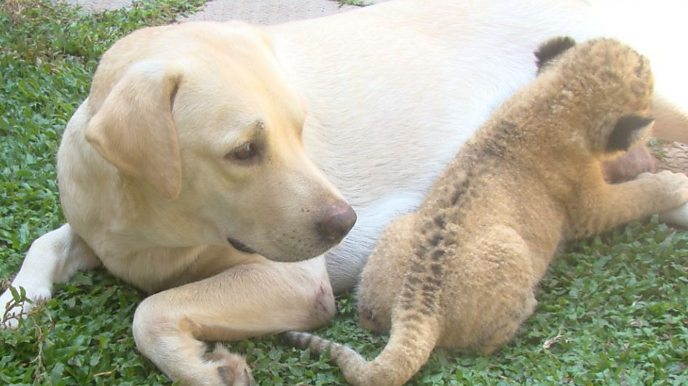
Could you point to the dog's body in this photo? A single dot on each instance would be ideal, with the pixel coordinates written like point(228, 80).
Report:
point(461, 271)
point(239, 120)
point(419, 104)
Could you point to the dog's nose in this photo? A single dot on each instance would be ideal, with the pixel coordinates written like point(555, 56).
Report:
point(338, 221)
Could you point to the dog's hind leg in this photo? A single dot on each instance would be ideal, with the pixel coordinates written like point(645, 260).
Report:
point(52, 258)
point(671, 121)
point(254, 299)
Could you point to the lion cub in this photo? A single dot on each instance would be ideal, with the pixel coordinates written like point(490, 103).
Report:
point(461, 271)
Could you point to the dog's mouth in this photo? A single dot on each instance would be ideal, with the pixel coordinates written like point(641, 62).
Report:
point(239, 246)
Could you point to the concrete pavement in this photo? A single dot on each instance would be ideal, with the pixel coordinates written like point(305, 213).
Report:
point(255, 11)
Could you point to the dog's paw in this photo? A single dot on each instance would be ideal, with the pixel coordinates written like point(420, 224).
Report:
point(232, 368)
point(16, 306)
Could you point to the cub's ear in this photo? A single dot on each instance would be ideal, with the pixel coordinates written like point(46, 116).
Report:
point(628, 130)
point(551, 49)
point(134, 130)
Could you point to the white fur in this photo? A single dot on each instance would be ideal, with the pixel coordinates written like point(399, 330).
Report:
point(53, 258)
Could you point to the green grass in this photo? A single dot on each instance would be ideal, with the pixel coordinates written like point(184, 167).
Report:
point(612, 311)
point(357, 3)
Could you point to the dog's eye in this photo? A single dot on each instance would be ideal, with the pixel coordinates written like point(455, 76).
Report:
point(245, 152)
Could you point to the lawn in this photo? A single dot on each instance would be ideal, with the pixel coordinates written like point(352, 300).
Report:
point(613, 309)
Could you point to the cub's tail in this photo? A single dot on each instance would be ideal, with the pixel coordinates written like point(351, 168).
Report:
point(344, 356)
point(411, 342)
point(416, 320)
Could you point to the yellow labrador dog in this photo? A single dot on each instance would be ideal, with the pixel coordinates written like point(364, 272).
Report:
point(202, 166)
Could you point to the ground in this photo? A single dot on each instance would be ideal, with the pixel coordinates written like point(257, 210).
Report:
point(612, 310)
point(671, 156)
point(254, 11)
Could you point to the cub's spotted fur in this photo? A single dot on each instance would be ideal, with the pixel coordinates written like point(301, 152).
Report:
point(460, 272)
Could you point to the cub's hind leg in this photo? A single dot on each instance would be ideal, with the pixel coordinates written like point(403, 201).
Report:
point(490, 291)
point(383, 275)
point(601, 207)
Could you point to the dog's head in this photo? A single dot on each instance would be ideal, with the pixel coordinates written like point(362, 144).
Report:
point(205, 122)
point(606, 86)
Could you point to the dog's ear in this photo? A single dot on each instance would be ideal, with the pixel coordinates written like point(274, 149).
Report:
point(552, 49)
point(627, 131)
point(134, 129)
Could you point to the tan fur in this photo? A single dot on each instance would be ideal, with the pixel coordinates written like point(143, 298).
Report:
point(461, 271)
point(140, 138)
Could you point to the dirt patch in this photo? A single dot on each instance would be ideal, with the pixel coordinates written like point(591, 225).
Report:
point(671, 156)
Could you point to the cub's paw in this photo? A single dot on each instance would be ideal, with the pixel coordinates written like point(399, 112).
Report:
point(673, 187)
point(678, 216)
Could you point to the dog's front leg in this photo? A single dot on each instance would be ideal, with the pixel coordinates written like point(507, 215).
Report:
point(258, 298)
point(52, 258)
